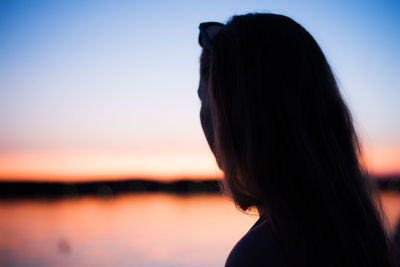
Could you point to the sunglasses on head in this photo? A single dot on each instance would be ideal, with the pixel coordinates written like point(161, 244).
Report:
point(207, 32)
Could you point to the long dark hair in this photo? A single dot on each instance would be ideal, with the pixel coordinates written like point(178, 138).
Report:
point(285, 141)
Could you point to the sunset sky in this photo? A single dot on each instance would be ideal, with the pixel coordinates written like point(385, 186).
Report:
point(107, 89)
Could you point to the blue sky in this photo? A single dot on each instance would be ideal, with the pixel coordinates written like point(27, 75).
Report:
point(120, 77)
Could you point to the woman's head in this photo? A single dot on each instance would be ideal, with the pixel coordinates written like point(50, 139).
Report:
point(274, 104)
point(281, 132)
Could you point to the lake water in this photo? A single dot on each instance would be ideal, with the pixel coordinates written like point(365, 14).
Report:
point(129, 230)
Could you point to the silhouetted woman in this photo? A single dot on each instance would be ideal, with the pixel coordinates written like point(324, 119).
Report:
point(284, 138)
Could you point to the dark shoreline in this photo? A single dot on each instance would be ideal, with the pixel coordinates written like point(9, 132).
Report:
point(103, 189)
point(108, 189)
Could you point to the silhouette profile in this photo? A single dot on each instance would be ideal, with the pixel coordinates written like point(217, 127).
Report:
point(283, 136)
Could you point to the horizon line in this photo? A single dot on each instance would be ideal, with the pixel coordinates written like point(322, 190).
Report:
point(155, 178)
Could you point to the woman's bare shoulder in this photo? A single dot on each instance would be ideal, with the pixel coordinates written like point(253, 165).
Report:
point(259, 247)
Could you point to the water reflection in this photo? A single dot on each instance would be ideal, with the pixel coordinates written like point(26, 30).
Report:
point(391, 204)
point(130, 230)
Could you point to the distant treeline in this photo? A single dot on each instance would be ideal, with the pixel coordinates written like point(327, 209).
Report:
point(108, 189)
point(104, 189)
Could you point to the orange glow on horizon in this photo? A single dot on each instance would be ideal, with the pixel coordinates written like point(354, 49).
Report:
point(383, 160)
point(88, 166)
point(99, 166)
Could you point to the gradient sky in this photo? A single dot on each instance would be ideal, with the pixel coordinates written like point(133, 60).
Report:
point(93, 89)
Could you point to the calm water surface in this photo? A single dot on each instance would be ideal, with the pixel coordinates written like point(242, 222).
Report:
point(130, 230)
